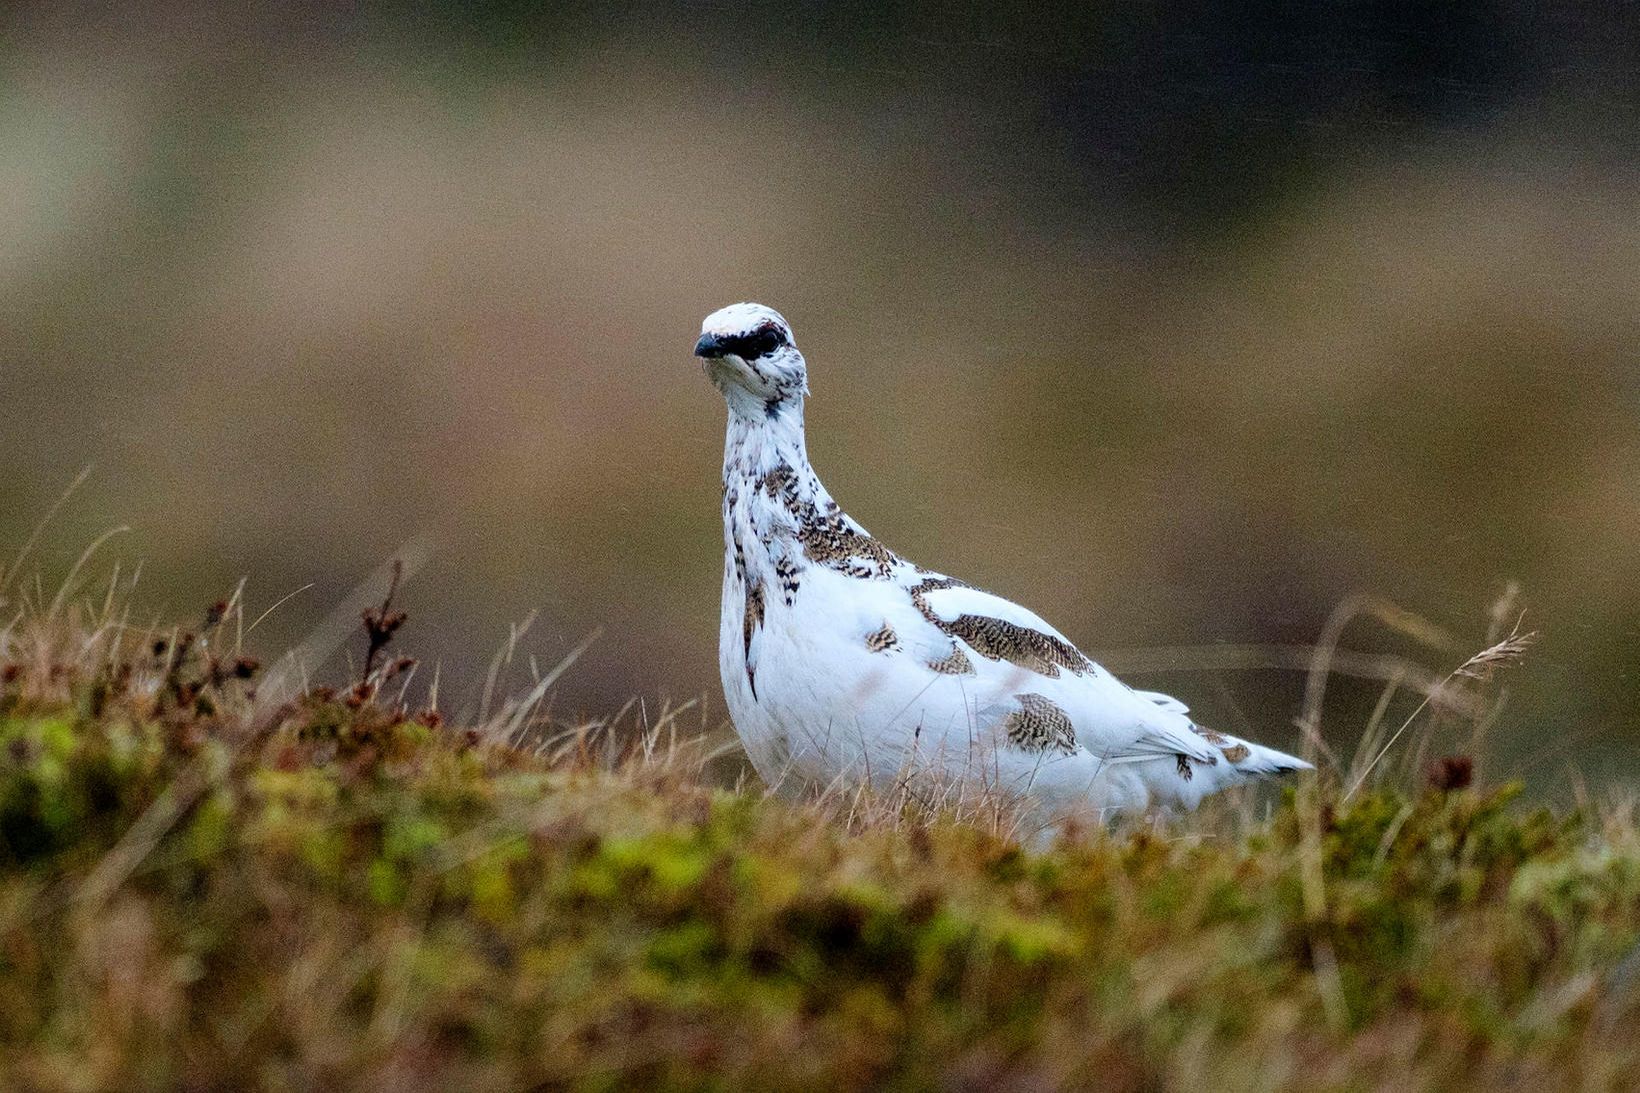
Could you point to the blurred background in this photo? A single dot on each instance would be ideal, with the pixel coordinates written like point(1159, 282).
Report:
point(1182, 323)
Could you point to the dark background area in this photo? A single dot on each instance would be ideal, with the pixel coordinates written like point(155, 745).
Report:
point(1182, 323)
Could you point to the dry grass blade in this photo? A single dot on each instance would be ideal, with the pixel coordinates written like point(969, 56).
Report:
point(277, 604)
point(66, 589)
point(1508, 651)
point(514, 715)
point(8, 574)
point(1478, 667)
point(502, 659)
point(1327, 656)
point(1384, 667)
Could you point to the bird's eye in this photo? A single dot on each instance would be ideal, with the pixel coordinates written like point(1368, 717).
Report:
point(765, 339)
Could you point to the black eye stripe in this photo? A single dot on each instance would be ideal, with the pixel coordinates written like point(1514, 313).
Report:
point(765, 339)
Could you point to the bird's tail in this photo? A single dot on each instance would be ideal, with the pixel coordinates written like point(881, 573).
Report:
point(1239, 762)
point(1260, 761)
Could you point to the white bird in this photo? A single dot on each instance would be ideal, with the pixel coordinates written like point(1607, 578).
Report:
point(843, 663)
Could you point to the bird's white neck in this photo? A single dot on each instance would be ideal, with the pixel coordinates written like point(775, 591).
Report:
point(758, 443)
point(770, 491)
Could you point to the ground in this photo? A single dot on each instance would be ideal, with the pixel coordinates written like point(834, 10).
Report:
point(202, 888)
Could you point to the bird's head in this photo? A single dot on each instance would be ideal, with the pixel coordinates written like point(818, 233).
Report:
point(750, 355)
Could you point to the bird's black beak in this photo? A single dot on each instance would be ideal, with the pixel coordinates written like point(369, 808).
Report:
point(709, 346)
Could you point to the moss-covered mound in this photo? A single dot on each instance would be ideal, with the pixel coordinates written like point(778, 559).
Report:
point(329, 895)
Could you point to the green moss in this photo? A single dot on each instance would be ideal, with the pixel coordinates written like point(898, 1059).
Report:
point(360, 892)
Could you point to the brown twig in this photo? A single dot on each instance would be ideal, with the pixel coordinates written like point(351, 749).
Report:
point(380, 624)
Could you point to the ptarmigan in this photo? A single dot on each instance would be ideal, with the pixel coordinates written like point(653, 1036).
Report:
point(845, 663)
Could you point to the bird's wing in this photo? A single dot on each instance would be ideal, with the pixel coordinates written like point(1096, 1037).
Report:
point(1014, 650)
point(1166, 702)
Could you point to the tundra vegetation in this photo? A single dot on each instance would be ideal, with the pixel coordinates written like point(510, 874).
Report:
point(215, 874)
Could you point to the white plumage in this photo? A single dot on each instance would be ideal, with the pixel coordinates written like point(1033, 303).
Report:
point(844, 663)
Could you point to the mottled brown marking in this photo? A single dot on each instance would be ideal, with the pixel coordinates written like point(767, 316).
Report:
point(740, 559)
point(999, 639)
point(884, 640)
point(781, 481)
point(752, 622)
point(828, 537)
point(931, 584)
point(785, 570)
point(828, 541)
point(1237, 752)
point(1184, 767)
point(957, 664)
point(1039, 725)
point(1212, 737)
